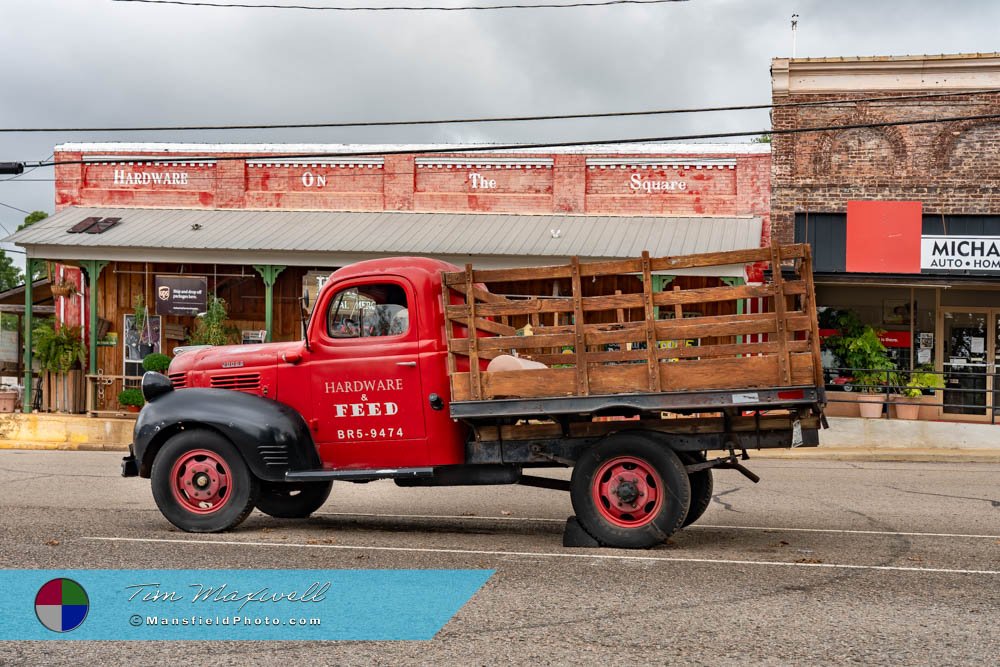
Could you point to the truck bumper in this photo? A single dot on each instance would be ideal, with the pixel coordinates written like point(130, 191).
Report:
point(130, 468)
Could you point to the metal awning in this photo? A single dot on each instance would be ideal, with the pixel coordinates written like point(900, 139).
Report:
point(337, 238)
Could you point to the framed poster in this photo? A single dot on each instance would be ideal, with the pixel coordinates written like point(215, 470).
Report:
point(138, 344)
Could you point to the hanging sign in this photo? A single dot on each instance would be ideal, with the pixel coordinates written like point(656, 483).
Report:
point(181, 295)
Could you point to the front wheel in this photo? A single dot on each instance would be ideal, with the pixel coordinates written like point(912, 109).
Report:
point(201, 483)
point(630, 491)
point(284, 500)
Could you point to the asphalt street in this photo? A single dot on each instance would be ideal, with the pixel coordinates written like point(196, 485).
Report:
point(823, 562)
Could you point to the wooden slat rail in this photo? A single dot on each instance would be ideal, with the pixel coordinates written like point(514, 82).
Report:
point(780, 306)
point(580, 345)
point(809, 305)
point(604, 334)
point(619, 301)
point(473, 339)
point(658, 264)
point(601, 351)
point(652, 364)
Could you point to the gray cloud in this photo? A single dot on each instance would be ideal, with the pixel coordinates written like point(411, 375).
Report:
point(101, 64)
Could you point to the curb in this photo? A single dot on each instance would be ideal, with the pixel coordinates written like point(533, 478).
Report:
point(884, 454)
point(65, 446)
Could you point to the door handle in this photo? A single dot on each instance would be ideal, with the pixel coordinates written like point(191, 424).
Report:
point(406, 363)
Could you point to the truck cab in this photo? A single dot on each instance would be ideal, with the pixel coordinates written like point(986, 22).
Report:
point(370, 378)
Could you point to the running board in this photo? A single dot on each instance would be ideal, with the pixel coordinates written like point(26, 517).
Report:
point(356, 475)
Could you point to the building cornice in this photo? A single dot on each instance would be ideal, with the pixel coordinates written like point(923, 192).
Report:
point(884, 73)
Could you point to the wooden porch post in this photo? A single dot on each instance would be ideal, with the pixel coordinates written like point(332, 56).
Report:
point(29, 272)
point(269, 272)
point(93, 268)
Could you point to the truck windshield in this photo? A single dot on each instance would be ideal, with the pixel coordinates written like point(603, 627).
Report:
point(369, 310)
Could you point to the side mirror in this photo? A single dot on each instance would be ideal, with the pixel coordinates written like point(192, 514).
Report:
point(305, 299)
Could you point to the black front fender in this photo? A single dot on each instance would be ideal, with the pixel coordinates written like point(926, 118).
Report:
point(272, 437)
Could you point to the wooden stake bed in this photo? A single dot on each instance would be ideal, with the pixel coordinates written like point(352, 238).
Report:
point(660, 348)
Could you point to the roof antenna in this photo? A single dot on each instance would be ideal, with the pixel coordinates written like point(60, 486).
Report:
point(795, 25)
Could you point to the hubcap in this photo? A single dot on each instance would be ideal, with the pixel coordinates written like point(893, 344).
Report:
point(201, 481)
point(628, 492)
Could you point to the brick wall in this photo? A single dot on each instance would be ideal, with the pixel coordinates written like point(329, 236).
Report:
point(953, 168)
point(509, 183)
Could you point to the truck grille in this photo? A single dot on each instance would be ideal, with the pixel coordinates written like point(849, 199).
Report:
point(237, 382)
point(178, 380)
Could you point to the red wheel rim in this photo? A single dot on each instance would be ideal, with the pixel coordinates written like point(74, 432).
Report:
point(628, 492)
point(201, 481)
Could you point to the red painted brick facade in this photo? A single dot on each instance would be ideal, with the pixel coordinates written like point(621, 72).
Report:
point(708, 182)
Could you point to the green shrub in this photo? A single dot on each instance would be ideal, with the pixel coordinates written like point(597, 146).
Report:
point(210, 327)
point(157, 362)
point(58, 351)
point(131, 396)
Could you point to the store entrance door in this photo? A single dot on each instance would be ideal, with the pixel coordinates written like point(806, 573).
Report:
point(969, 359)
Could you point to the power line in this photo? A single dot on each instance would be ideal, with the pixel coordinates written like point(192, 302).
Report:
point(403, 8)
point(15, 208)
point(498, 119)
point(525, 146)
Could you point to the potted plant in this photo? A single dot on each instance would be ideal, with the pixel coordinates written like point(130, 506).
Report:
point(141, 320)
point(131, 398)
point(863, 352)
point(63, 288)
point(210, 327)
point(921, 381)
point(156, 362)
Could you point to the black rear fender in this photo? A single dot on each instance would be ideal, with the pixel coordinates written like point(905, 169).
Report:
point(272, 437)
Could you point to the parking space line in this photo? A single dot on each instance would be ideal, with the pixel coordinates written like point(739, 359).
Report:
point(835, 531)
point(546, 554)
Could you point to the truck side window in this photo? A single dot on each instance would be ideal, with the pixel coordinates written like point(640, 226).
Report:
point(368, 310)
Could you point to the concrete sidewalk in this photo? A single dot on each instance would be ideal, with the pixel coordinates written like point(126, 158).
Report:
point(847, 439)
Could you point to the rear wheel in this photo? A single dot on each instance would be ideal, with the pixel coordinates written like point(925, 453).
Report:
point(292, 500)
point(201, 483)
point(701, 487)
point(630, 491)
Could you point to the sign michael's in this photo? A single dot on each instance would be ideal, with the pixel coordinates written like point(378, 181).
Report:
point(960, 253)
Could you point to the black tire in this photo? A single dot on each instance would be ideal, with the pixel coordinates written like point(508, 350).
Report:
point(701, 487)
point(235, 488)
point(606, 515)
point(284, 500)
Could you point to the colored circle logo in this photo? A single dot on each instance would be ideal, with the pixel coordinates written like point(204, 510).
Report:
point(61, 605)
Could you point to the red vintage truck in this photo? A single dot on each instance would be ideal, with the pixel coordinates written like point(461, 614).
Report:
point(415, 370)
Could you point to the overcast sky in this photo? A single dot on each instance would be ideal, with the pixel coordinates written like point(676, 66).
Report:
point(101, 63)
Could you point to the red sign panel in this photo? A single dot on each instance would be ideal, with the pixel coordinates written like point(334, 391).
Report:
point(883, 236)
point(888, 338)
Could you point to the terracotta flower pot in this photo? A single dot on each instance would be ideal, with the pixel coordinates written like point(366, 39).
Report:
point(63, 290)
point(871, 405)
point(903, 409)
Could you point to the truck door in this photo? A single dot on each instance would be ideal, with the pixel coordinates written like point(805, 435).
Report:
point(366, 382)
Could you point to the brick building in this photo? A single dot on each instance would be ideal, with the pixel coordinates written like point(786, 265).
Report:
point(873, 201)
point(255, 224)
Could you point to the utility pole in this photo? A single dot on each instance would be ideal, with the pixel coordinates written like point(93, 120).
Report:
point(795, 25)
